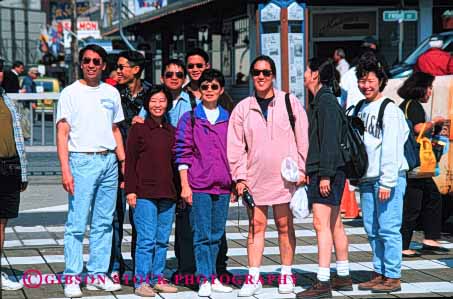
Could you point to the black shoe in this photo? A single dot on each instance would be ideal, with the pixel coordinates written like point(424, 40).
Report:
point(435, 248)
point(412, 255)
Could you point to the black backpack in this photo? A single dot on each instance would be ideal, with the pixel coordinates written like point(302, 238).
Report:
point(352, 147)
point(193, 104)
point(411, 147)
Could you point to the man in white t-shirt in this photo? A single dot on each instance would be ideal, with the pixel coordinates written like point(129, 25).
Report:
point(87, 139)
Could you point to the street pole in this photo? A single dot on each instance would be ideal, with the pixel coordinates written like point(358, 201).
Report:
point(401, 29)
point(400, 43)
point(74, 43)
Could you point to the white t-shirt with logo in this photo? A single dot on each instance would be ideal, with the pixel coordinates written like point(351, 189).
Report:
point(90, 112)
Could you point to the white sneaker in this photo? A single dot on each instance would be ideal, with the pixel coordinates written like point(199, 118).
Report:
point(286, 284)
point(72, 290)
point(250, 289)
point(108, 285)
point(218, 287)
point(205, 289)
point(8, 284)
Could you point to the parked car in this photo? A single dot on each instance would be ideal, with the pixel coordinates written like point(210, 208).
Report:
point(405, 69)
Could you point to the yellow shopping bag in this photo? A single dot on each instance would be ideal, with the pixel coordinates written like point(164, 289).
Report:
point(427, 158)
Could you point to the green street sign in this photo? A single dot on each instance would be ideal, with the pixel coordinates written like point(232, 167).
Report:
point(403, 15)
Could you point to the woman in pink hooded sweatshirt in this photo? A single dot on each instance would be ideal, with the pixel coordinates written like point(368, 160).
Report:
point(260, 137)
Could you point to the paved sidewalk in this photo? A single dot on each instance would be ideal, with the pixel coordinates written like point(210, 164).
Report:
point(35, 241)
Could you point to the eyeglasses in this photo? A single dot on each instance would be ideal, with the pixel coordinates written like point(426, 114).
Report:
point(179, 75)
point(122, 66)
point(96, 61)
point(192, 65)
point(266, 73)
point(206, 86)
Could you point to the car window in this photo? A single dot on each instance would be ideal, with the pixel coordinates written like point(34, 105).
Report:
point(449, 46)
point(412, 58)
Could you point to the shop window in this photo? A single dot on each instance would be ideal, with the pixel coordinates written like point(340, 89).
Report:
point(241, 52)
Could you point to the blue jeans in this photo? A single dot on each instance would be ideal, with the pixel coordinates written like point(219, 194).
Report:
point(208, 215)
point(153, 220)
point(116, 258)
point(95, 186)
point(382, 222)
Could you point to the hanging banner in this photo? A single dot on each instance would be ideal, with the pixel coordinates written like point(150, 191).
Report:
point(144, 6)
point(270, 37)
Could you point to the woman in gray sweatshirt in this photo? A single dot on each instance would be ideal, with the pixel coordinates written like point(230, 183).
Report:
point(383, 186)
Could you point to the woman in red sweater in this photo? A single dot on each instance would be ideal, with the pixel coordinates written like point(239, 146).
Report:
point(151, 192)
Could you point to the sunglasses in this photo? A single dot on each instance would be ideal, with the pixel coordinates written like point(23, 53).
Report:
point(122, 66)
point(192, 65)
point(96, 61)
point(266, 73)
point(213, 86)
point(179, 75)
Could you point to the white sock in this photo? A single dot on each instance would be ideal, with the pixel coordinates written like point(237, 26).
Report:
point(255, 273)
point(286, 270)
point(343, 268)
point(323, 274)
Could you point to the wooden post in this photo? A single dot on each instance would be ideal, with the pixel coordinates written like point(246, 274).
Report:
point(74, 43)
point(284, 48)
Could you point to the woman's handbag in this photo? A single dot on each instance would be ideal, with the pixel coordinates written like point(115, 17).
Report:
point(428, 160)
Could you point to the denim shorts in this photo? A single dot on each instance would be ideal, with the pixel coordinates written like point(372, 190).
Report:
point(336, 186)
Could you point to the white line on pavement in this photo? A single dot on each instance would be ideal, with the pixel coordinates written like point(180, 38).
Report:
point(230, 236)
point(271, 250)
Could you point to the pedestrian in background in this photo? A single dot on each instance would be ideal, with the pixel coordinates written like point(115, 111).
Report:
point(422, 199)
point(28, 82)
point(260, 137)
point(13, 171)
point(152, 194)
point(383, 186)
point(88, 137)
point(339, 57)
point(327, 178)
point(201, 155)
point(11, 83)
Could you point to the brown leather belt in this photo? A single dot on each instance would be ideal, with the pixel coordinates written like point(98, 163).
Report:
point(106, 152)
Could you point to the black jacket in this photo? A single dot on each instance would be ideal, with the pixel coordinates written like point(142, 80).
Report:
point(131, 106)
point(325, 131)
point(11, 82)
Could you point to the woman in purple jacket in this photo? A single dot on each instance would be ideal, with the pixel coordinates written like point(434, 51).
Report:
point(201, 157)
point(151, 192)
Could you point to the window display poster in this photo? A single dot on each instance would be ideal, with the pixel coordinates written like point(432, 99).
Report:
point(296, 65)
point(270, 46)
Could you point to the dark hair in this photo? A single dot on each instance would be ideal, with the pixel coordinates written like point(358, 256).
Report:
point(268, 60)
point(210, 75)
point(368, 63)
point(326, 70)
point(17, 63)
point(134, 58)
point(177, 62)
point(152, 91)
point(199, 52)
point(415, 87)
point(95, 48)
